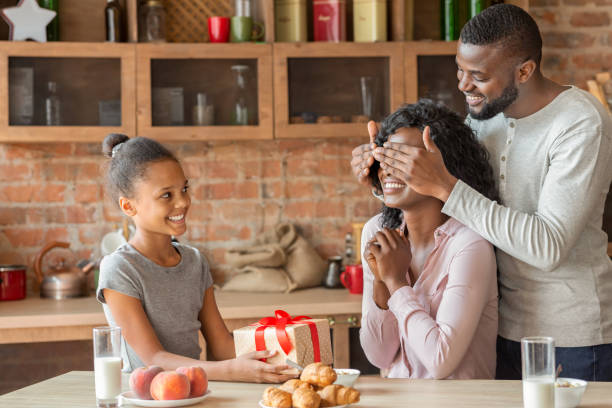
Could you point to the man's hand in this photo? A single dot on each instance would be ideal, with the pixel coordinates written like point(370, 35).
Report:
point(362, 156)
point(423, 170)
point(393, 257)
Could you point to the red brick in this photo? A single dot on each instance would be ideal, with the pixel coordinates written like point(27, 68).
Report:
point(567, 40)
point(552, 61)
point(246, 189)
point(301, 209)
point(367, 208)
point(590, 19)
point(250, 169)
point(545, 16)
point(325, 209)
point(271, 169)
point(593, 61)
point(13, 216)
point(19, 194)
point(300, 189)
point(88, 149)
point(56, 234)
point(543, 3)
point(300, 148)
point(12, 172)
point(24, 237)
point(87, 193)
point(227, 232)
point(584, 2)
point(38, 150)
point(310, 167)
point(50, 193)
point(12, 257)
point(329, 250)
point(54, 215)
point(80, 214)
point(86, 171)
point(91, 235)
point(200, 212)
point(272, 189)
point(242, 211)
point(221, 170)
point(192, 170)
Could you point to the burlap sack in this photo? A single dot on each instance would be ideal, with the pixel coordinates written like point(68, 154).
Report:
point(304, 265)
point(260, 279)
point(266, 255)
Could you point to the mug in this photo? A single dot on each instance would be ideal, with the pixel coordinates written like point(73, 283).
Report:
point(245, 29)
point(352, 278)
point(218, 29)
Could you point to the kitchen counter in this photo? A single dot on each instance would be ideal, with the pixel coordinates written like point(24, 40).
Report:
point(76, 389)
point(38, 320)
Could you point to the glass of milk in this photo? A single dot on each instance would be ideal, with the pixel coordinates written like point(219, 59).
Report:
point(107, 365)
point(538, 361)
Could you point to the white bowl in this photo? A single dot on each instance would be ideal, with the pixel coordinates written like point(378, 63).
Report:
point(569, 397)
point(346, 376)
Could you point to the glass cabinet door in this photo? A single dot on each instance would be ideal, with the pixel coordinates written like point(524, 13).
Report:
point(73, 92)
point(205, 91)
point(333, 90)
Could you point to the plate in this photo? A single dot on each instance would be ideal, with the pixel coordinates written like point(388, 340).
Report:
point(129, 397)
point(261, 404)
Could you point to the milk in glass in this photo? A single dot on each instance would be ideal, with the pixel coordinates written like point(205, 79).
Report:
point(539, 392)
point(107, 372)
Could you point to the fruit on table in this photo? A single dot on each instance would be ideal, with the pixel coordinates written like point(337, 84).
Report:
point(170, 385)
point(141, 378)
point(197, 380)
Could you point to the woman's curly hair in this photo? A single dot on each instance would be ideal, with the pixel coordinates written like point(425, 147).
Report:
point(464, 157)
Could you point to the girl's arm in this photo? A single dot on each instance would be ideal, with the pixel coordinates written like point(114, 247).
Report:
point(221, 344)
point(138, 332)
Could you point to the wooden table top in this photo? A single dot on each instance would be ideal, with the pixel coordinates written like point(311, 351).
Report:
point(36, 312)
point(76, 389)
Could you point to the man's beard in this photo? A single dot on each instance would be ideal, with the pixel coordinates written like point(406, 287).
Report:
point(508, 96)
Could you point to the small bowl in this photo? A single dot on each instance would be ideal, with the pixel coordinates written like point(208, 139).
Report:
point(346, 376)
point(569, 396)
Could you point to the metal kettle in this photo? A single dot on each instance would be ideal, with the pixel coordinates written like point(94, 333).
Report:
point(64, 281)
point(332, 278)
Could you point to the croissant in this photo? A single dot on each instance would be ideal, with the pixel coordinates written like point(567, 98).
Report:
point(273, 397)
point(305, 398)
point(335, 394)
point(294, 384)
point(318, 374)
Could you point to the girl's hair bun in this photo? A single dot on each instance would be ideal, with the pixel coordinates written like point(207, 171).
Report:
point(112, 140)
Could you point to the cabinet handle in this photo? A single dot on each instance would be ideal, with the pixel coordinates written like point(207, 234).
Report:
point(331, 320)
point(353, 321)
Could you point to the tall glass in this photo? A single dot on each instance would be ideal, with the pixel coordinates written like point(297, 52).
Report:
point(107, 365)
point(538, 361)
point(368, 95)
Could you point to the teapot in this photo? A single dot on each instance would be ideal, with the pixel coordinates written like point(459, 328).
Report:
point(64, 281)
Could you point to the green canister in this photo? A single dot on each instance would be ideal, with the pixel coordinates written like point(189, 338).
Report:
point(449, 20)
point(369, 20)
point(476, 6)
point(290, 21)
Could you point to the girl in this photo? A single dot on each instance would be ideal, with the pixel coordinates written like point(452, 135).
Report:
point(430, 287)
point(159, 291)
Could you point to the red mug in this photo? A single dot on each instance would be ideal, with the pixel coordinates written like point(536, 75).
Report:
point(218, 29)
point(352, 278)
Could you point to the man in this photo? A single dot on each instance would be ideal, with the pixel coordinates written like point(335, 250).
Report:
point(551, 150)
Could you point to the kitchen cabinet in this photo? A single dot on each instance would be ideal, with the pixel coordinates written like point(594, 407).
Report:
point(320, 90)
point(95, 90)
point(171, 75)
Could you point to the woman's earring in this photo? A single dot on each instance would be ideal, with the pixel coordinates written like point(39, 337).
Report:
point(378, 195)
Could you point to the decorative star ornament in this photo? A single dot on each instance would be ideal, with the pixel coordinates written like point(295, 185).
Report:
point(28, 21)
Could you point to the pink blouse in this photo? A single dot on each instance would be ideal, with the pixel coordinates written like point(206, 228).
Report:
point(443, 326)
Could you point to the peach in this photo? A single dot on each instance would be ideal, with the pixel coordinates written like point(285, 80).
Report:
point(170, 385)
point(198, 380)
point(141, 378)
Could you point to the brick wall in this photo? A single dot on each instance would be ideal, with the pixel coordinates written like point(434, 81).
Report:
point(239, 189)
point(577, 38)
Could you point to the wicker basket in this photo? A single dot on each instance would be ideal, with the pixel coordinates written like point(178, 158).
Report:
point(186, 20)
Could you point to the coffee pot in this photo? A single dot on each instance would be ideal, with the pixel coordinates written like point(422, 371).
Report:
point(334, 268)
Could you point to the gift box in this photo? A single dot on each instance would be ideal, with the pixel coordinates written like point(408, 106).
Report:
point(301, 339)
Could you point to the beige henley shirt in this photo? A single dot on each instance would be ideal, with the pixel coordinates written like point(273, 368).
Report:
point(553, 170)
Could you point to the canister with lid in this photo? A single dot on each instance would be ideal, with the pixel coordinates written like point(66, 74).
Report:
point(290, 22)
point(369, 20)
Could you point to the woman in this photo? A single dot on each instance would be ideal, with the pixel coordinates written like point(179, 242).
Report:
point(430, 287)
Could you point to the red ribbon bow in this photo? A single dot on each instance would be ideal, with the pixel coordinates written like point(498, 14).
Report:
point(280, 321)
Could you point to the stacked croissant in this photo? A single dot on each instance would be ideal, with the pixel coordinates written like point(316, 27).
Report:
point(314, 389)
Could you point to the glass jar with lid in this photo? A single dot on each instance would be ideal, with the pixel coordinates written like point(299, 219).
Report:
point(153, 21)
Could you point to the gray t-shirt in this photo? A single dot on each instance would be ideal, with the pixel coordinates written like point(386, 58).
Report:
point(172, 297)
point(553, 169)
